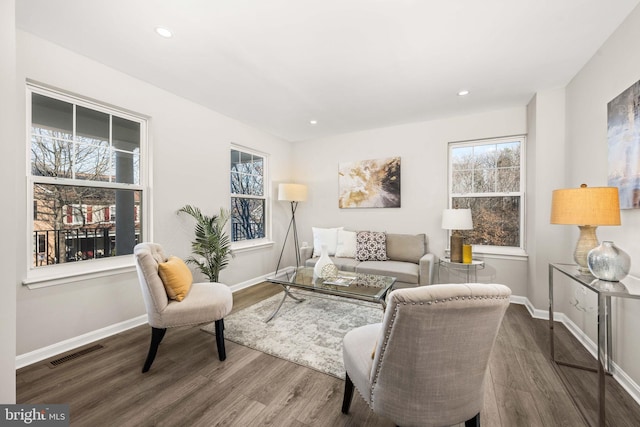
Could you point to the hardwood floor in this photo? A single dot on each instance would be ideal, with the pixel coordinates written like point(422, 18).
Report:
point(188, 386)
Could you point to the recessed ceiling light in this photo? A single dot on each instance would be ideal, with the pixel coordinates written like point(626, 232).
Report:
point(463, 92)
point(164, 32)
point(313, 122)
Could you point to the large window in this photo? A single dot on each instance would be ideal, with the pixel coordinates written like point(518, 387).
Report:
point(488, 177)
point(248, 195)
point(86, 186)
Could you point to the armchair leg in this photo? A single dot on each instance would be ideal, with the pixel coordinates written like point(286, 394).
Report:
point(156, 337)
point(473, 422)
point(222, 355)
point(348, 394)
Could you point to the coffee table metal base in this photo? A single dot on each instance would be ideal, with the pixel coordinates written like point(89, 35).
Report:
point(285, 288)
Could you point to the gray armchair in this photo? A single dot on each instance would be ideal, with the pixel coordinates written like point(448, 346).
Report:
point(205, 302)
point(430, 354)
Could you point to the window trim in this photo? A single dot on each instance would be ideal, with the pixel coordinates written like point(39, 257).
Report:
point(266, 241)
point(507, 251)
point(57, 274)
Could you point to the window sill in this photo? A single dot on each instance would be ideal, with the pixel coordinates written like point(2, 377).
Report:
point(494, 252)
point(61, 274)
point(245, 246)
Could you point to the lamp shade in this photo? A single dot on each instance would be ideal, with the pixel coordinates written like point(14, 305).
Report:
point(292, 192)
point(457, 219)
point(586, 206)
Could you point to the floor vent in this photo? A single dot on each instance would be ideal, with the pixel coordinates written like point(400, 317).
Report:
point(75, 355)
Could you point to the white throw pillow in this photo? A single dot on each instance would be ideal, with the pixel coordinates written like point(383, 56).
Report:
point(325, 236)
point(346, 244)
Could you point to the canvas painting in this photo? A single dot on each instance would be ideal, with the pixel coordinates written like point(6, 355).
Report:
point(370, 183)
point(623, 135)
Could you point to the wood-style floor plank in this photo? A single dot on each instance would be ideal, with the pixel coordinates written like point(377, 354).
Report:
point(188, 385)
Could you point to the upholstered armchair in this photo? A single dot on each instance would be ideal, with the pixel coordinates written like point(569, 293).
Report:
point(425, 364)
point(201, 302)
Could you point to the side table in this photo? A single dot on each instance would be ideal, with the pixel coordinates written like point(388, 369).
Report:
point(604, 290)
point(471, 267)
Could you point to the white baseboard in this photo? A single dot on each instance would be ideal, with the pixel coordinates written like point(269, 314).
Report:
point(40, 354)
point(623, 379)
point(35, 356)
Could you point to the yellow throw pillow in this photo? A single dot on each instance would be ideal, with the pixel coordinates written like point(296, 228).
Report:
point(176, 277)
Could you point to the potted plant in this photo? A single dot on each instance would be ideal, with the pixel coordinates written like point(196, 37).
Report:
point(212, 245)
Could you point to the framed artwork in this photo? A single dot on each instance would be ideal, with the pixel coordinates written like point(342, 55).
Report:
point(369, 183)
point(623, 136)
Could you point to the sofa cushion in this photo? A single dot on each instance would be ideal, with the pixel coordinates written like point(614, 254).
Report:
point(343, 264)
point(406, 247)
point(325, 237)
point(346, 244)
point(371, 246)
point(403, 271)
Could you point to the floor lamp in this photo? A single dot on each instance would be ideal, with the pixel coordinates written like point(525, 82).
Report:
point(293, 193)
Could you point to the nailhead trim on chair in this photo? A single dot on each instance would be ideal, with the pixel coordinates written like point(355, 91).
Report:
point(395, 312)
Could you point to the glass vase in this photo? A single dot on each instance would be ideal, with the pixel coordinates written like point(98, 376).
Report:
point(608, 262)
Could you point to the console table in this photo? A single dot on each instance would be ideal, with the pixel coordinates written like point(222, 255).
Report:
point(604, 291)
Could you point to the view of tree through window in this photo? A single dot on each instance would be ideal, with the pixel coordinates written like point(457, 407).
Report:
point(85, 174)
point(247, 195)
point(486, 177)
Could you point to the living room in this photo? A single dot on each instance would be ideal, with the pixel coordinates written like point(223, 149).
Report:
point(565, 126)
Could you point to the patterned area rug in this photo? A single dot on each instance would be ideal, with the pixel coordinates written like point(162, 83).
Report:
point(308, 333)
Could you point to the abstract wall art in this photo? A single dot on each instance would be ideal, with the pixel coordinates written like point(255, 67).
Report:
point(623, 136)
point(370, 183)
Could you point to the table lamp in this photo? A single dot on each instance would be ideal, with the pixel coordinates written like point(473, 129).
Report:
point(455, 220)
point(586, 207)
point(293, 193)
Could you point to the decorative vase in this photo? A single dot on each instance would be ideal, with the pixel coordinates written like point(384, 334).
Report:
point(467, 256)
point(608, 262)
point(322, 261)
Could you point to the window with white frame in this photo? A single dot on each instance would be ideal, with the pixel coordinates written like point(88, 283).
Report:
point(85, 169)
point(487, 176)
point(248, 194)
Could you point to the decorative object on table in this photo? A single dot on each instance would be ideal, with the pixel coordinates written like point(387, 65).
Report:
point(588, 208)
point(467, 255)
point(369, 183)
point(323, 261)
point(456, 220)
point(329, 272)
point(608, 262)
point(623, 135)
point(212, 245)
point(293, 193)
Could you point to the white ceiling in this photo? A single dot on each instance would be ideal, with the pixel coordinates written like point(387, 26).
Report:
point(349, 64)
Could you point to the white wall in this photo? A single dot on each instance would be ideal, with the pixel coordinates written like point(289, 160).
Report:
point(423, 150)
point(190, 152)
point(546, 172)
point(614, 68)
point(8, 134)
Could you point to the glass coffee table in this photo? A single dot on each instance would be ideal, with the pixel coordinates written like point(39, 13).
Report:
point(361, 286)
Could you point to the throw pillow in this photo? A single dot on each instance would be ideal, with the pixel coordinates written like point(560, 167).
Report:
point(371, 246)
point(406, 247)
point(325, 236)
point(176, 278)
point(346, 244)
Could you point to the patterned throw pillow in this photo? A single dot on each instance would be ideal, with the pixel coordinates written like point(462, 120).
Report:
point(371, 246)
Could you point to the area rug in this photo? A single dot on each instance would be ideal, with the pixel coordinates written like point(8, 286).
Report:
point(308, 333)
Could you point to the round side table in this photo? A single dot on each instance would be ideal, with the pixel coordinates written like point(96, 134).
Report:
point(470, 268)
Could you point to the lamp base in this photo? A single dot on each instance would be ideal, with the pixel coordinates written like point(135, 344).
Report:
point(587, 241)
point(456, 248)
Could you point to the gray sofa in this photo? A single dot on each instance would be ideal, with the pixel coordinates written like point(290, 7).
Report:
point(409, 261)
